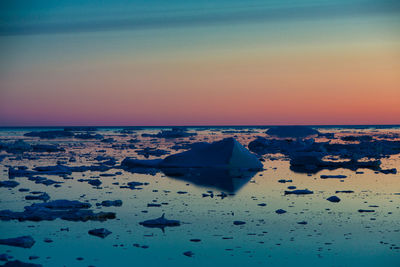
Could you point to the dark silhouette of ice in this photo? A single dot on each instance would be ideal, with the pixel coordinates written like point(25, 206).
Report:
point(188, 253)
point(161, 223)
point(361, 138)
point(280, 211)
point(86, 136)
point(47, 148)
point(308, 156)
point(173, 133)
point(364, 210)
point(299, 192)
point(50, 134)
point(81, 129)
point(17, 263)
point(39, 196)
point(292, 131)
point(70, 210)
point(5, 257)
point(94, 182)
point(100, 232)
point(109, 203)
point(22, 241)
point(61, 170)
point(134, 185)
point(131, 163)
point(334, 199)
point(43, 180)
point(146, 152)
point(20, 146)
point(9, 184)
point(333, 176)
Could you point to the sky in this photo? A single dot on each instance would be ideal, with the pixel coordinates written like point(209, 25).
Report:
point(275, 62)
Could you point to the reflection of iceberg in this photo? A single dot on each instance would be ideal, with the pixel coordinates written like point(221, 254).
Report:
point(228, 180)
point(225, 164)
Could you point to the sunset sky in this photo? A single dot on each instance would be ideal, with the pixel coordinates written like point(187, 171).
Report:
point(199, 62)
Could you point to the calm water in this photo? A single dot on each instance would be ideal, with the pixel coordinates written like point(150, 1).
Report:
point(336, 234)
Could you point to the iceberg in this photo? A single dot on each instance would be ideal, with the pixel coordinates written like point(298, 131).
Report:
point(224, 164)
point(227, 153)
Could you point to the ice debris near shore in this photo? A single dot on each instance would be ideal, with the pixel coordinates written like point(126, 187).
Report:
point(70, 210)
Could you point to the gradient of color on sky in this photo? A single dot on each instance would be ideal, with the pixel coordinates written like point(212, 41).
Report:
point(199, 62)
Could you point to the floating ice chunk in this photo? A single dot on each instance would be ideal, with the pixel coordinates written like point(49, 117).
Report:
point(70, 210)
point(333, 176)
point(50, 134)
point(22, 241)
point(334, 199)
point(160, 222)
point(17, 263)
point(100, 232)
point(173, 133)
point(9, 184)
point(292, 131)
point(280, 211)
point(141, 163)
point(299, 192)
point(86, 136)
point(109, 203)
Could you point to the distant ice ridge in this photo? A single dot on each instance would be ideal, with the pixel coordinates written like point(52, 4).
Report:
point(292, 131)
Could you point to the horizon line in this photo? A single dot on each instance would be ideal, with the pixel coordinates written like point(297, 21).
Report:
point(199, 126)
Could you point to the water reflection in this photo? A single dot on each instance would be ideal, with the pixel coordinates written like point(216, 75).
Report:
point(227, 180)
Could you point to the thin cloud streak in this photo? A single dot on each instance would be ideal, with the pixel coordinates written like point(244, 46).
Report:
point(219, 18)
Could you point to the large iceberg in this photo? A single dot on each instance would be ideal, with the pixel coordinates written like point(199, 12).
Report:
point(227, 153)
point(224, 164)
